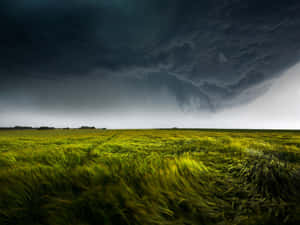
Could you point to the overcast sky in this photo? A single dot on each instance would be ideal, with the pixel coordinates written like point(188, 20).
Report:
point(150, 63)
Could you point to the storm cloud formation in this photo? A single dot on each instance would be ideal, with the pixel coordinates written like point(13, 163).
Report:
point(109, 55)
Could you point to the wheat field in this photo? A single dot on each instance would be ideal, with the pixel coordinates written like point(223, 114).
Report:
point(180, 177)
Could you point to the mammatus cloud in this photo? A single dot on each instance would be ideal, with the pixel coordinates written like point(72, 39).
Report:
point(143, 54)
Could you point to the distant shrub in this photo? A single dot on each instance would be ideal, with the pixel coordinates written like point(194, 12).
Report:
point(46, 128)
point(87, 127)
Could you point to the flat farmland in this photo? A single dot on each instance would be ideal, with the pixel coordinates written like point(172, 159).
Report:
point(91, 177)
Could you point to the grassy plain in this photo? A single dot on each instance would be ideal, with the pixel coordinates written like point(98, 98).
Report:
point(180, 177)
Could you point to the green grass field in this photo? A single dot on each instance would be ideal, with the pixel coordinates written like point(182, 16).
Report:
point(180, 177)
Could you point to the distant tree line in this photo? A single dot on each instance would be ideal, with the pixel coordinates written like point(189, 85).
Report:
point(87, 127)
point(46, 128)
point(17, 128)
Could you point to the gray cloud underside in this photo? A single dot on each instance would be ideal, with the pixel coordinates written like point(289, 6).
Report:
point(219, 52)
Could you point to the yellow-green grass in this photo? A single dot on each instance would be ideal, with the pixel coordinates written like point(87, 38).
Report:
point(91, 177)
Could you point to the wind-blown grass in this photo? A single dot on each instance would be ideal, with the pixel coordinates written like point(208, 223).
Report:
point(87, 177)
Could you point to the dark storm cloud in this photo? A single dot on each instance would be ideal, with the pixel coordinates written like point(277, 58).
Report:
point(211, 50)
